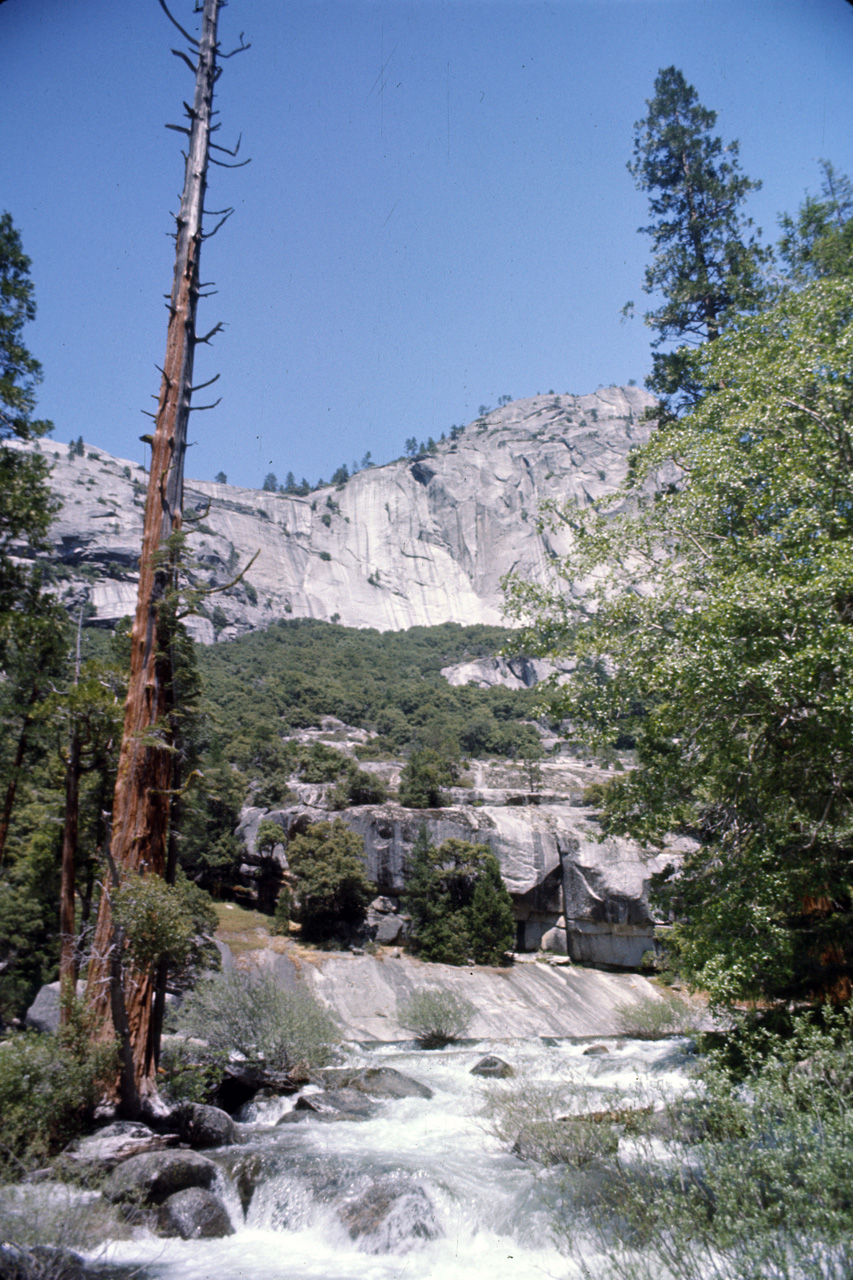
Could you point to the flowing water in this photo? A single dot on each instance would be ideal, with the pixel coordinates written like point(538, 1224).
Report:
point(421, 1191)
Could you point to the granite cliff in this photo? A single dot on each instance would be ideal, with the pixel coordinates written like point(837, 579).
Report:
point(415, 542)
point(419, 541)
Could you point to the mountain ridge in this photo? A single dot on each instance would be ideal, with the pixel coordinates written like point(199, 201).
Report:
point(417, 541)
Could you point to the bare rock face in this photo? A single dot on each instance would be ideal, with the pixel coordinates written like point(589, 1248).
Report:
point(575, 893)
point(415, 542)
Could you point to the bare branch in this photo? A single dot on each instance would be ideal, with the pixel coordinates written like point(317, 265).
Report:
point(178, 128)
point(177, 24)
point(198, 515)
point(217, 328)
point(207, 235)
point(179, 53)
point(196, 408)
point(214, 146)
point(202, 385)
point(241, 48)
point(214, 213)
point(223, 165)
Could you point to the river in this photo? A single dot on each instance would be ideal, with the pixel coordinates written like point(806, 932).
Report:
point(422, 1190)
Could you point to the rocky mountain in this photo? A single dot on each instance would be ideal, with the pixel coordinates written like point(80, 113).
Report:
point(418, 541)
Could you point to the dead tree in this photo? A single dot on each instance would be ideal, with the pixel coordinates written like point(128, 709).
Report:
point(120, 995)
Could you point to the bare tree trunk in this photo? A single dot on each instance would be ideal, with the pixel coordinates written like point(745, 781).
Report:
point(143, 784)
point(67, 929)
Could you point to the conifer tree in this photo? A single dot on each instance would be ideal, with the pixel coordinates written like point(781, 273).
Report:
point(706, 259)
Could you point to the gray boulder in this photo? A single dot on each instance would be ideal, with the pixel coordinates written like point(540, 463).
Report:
point(378, 1082)
point(41, 1262)
point(151, 1178)
point(388, 1214)
point(194, 1214)
point(332, 1104)
point(203, 1126)
point(492, 1068)
point(43, 1013)
point(113, 1144)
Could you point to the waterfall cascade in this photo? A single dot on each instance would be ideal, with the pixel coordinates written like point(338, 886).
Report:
point(420, 1187)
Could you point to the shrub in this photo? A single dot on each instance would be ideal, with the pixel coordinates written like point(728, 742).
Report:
point(332, 889)
point(459, 905)
point(651, 1019)
point(283, 911)
point(49, 1087)
point(423, 776)
point(269, 835)
point(247, 1012)
point(155, 919)
point(358, 787)
point(542, 1124)
point(739, 1180)
point(435, 1017)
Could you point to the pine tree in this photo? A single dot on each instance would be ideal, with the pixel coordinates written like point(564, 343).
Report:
point(706, 260)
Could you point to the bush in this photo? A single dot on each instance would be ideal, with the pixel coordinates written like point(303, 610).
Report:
point(49, 1087)
point(435, 1017)
point(331, 886)
point(247, 1012)
point(283, 911)
point(542, 1124)
point(155, 919)
point(422, 778)
point(651, 1019)
point(741, 1179)
point(460, 907)
point(269, 835)
point(358, 787)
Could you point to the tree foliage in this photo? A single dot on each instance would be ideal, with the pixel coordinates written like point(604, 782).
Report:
point(331, 889)
point(718, 634)
point(248, 1012)
point(818, 243)
point(460, 907)
point(706, 260)
point(424, 775)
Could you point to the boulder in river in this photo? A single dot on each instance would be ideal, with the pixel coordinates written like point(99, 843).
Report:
point(332, 1104)
point(389, 1215)
point(492, 1068)
point(151, 1178)
point(193, 1214)
point(378, 1082)
point(203, 1126)
point(103, 1150)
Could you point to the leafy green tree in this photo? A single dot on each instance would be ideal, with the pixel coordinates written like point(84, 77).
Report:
point(220, 478)
point(26, 503)
point(331, 886)
point(707, 263)
point(423, 776)
point(20, 372)
point(209, 851)
point(720, 636)
point(270, 484)
point(819, 241)
point(460, 907)
point(491, 923)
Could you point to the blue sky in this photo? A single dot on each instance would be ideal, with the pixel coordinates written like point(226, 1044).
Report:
point(437, 211)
